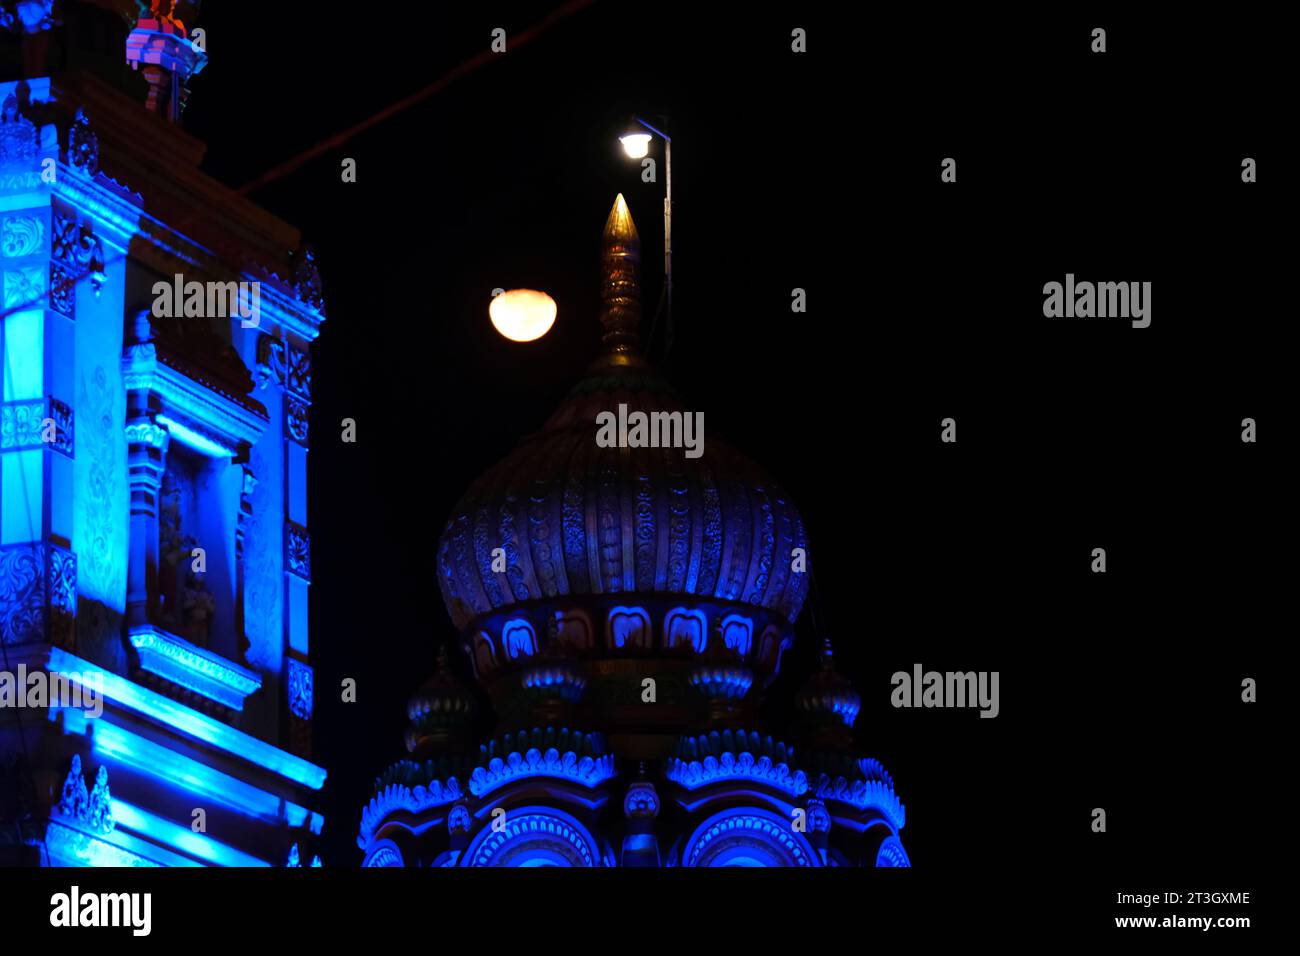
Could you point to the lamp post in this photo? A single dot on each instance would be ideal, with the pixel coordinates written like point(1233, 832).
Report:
point(636, 143)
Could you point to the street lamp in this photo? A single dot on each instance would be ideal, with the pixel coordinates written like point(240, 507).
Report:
point(636, 143)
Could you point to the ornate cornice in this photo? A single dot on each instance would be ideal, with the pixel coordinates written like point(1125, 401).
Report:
point(147, 433)
point(194, 668)
point(398, 797)
point(732, 766)
point(587, 771)
point(863, 795)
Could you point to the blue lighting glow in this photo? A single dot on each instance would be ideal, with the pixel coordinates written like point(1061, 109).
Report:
point(747, 836)
point(189, 721)
point(198, 845)
point(194, 668)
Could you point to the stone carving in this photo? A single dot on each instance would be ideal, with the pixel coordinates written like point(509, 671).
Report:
point(83, 145)
point(185, 600)
point(297, 550)
point(75, 799)
point(300, 689)
point(21, 236)
point(93, 809)
point(22, 597)
point(295, 419)
point(63, 580)
point(298, 377)
point(20, 424)
point(147, 433)
point(75, 252)
point(263, 567)
point(306, 280)
point(641, 800)
point(65, 237)
point(588, 771)
point(270, 361)
point(284, 365)
point(398, 796)
point(18, 136)
point(99, 814)
point(24, 287)
point(61, 415)
point(63, 290)
point(458, 820)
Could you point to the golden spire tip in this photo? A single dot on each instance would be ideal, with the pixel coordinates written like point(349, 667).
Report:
point(619, 226)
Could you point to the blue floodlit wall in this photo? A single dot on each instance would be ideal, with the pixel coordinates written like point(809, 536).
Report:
point(221, 724)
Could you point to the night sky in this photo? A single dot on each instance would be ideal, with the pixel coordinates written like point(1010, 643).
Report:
point(821, 172)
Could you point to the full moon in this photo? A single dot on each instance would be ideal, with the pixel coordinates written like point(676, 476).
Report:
point(522, 315)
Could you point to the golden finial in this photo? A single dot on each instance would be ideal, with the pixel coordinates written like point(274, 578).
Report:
point(620, 294)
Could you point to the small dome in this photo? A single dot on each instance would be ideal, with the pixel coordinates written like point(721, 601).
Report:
point(828, 697)
point(441, 712)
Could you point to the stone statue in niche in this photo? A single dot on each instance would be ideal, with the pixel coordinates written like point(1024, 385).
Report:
point(184, 602)
point(18, 141)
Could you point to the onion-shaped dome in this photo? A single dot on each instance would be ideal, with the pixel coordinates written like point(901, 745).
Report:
point(827, 701)
point(441, 712)
point(575, 518)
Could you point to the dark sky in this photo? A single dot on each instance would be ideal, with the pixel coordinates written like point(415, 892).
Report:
point(925, 301)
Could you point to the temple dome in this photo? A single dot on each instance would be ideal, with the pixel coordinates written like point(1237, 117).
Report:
point(574, 518)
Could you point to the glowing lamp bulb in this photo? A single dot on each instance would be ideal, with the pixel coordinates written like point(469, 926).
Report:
point(635, 145)
point(522, 315)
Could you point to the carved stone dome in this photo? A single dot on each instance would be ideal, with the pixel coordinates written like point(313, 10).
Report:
point(574, 518)
point(576, 555)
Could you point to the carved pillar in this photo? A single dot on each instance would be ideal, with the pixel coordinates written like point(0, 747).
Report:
point(286, 365)
point(146, 453)
point(146, 456)
point(641, 807)
point(246, 489)
point(819, 827)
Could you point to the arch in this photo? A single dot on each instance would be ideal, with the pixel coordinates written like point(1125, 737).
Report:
point(384, 853)
point(535, 836)
point(519, 639)
point(485, 655)
point(737, 634)
point(769, 647)
point(749, 837)
point(686, 628)
point(573, 629)
point(629, 627)
point(891, 853)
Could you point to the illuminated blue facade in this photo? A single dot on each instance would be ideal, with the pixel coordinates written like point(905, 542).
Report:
point(154, 538)
point(624, 609)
